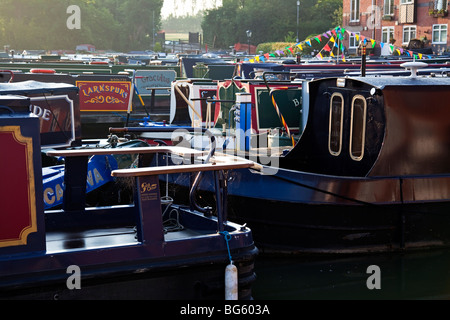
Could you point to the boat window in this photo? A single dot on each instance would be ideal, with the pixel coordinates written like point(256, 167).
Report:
point(335, 124)
point(357, 127)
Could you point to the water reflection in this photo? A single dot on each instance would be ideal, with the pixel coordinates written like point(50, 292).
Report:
point(420, 275)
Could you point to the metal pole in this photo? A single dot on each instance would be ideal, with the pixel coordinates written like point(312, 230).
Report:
point(298, 13)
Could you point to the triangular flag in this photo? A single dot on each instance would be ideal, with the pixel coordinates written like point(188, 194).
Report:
point(332, 39)
point(343, 58)
point(373, 43)
point(308, 42)
point(327, 47)
point(331, 53)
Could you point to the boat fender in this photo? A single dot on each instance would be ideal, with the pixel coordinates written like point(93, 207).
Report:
point(231, 282)
point(231, 274)
point(42, 71)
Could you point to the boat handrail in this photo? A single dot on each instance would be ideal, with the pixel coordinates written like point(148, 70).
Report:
point(180, 151)
point(148, 171)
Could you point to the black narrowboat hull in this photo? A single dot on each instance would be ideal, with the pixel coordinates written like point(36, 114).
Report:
point(329, 229)
point(191, 278)
point(297, 212)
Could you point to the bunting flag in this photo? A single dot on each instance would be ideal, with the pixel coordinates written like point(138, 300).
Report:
point(392, 48)
point(334, 46)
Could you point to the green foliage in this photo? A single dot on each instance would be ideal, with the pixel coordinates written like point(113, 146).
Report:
point(124, 25)
point(269, 20)
point(107, 24)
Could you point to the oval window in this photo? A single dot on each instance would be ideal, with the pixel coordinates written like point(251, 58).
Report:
point(335, 124)
point(358, 127)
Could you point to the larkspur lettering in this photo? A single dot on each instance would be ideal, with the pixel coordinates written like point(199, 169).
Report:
point(105, 88)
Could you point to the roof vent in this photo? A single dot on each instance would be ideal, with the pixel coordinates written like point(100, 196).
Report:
point(414, 66)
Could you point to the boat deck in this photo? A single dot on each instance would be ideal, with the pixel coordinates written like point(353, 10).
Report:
point(63, 241)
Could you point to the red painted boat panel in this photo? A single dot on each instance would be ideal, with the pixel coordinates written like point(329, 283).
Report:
point(18, 214)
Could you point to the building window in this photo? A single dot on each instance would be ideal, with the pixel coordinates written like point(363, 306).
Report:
point(387, 34)
point(335, 124)
point(439, 33)
point(354, 10)
point(353, 43)
point(409, 33)
point(439, 4)
point(406, 1)
point(388, 7)
point(358, 127)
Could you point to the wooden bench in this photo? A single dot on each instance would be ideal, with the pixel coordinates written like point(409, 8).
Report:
point(139, 172)
point(180, 151)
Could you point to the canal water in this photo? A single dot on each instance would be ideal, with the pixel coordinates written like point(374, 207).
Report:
point(401, 276)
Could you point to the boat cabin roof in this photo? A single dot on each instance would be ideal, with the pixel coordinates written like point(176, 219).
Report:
point(35, 87)
point(382, 82)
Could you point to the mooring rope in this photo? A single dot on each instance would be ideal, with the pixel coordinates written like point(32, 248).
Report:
point(227, 237)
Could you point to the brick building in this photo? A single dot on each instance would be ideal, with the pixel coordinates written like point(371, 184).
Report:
point(397, 22)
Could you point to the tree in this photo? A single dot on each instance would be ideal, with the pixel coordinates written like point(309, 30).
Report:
point(268, 20)
point(108, 24)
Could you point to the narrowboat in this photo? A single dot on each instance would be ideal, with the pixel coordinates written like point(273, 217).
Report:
point(149, 249)
point(369, 173)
